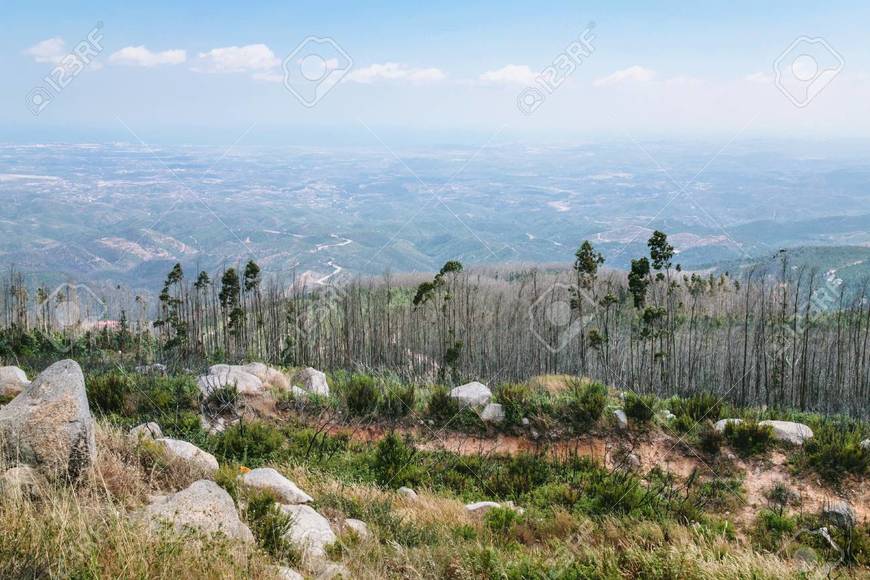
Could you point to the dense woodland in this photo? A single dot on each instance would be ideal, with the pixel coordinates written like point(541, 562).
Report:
point(797, 338)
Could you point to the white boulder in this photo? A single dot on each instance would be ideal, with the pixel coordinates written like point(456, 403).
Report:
point(359, 527)
point(221, 376)
point(865, 445)
point(150, 430)
point(179, 450)
point(284, 573)
point(266, 478)
point(309, 530)
point(794, 433)
point(492, 413)
point(407, 492)
point(13, 380)
point(472, 394)
point(205, 507)
point(49, 425)
point(313, 381)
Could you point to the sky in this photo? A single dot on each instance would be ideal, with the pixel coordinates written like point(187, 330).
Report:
point(351, 72)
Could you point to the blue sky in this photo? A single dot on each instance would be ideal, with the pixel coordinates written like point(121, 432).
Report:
point(196, 71)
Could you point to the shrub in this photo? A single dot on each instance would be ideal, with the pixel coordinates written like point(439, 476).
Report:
point(515, 400)
point(779, 497)
point(442, 408)
point(748, 437)
point(771, 528)
point(269, 524)
point(835, 449)
point(250, 443)
point(111, 392)
point(641, 408)
point(698, 407)
point(398, 401)
point(171, 394)
point(361, 395)
point(222, 399)
point(501, 520)
point(584, 405)
point(393, 461)
point(709, 440)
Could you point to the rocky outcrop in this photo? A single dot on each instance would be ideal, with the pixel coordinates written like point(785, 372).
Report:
point(150, 430)
point(794, 433)
point(472, 394)
point(268, 479)
point(309, 531)
point(13, 380)
point(840, 514)
point(49, 425)
point(492, 413)
point(204, 507)
point(269, 376)
point(193, 456)
point(313, 381)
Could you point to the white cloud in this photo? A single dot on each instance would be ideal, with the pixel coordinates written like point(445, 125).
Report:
point(511, 74)
point(141, 56)
point(395, 71)
point(50, 50)
point(634, 73)
point(758, 77)
point(229, 59)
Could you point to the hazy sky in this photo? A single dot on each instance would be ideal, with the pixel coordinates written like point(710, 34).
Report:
point(216, 71)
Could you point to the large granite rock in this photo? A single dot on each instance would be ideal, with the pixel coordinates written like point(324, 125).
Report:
point(204, 507)
point(49, 425)
point(313, 381)
point(309, 531)
point(193, 456)
point(13, 380)
point(268, 479)
point(794, 433)
point(221, 376)
point(472, 394)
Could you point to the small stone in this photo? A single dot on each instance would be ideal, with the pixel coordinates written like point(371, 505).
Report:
point(189, 453)
point(266, 478)
point(492, 413)
point(621, 419)
point(525, 421)
point(150, 430)
point(359, 527)
point(407, 492)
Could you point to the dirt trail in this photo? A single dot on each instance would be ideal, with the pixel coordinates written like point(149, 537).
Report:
point(653, 449)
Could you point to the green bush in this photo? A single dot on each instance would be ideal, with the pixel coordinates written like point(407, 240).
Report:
point(398, 401)
point(709, 440)
point(111, 392)
point(361, 395)
point(835, 449)
point(771, 528)
point(501, 520)
point(583, 405)
point(698, 407)
point(223, 399)
point(251, 443)
point(442, 408)
point(748, 437)
point(641, 408)
point(515, 399)
point(269, 525)
point(393, 461)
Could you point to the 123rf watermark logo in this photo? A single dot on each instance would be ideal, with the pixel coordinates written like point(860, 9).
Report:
point(314, 68)
point(66, 70)
point(552, 77)
point(561, 314)
point(805, 68)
